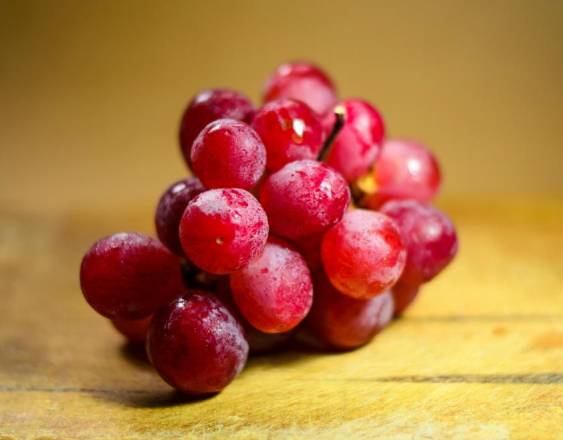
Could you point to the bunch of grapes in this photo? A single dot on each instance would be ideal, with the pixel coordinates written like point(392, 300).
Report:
point(301, 221)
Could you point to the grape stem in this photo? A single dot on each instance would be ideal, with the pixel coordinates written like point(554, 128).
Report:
point(340, 115)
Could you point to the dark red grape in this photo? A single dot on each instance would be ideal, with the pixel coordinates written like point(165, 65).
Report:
point(302, 81)
point(228, 153)
point(134, 330)
point(303, 199)
point(208, 106)
point(358, 143)
point(363, 255)
point(170, 208)
point(403, 296)
point(290, 131)
point(344, 322)
point(223, 229)
point(129, 276)
point(404, 170)
point(196, 345)
point(429, 236)
point(274, 291)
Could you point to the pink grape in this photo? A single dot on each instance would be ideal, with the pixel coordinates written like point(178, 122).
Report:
point(258, 341)
point(358, 143)
point(404, 170)
point(429, 236)
point(274, 292)
point(303, 81)
point(208, 106)
point(303, 199)
point(363, 255)
point(228, 153)
point(223, 229)
point(290, 131)
point(344, 322)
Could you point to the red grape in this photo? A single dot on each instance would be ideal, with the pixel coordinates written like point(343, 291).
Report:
point(134, 330)
point(221, 282)
point(403, 296)
point(363, 255)
point(429, 236)
point(304, 198)
point(208, 106)
point(302, 81)
point(290, 131)
point(344, 322)
point(129, 275)
point(274, 292)
point(223, 229)
point(357, 145)
point(196, 345)
point(228, 153)
point(170, 208)
point(404, 170)
point(258, 342)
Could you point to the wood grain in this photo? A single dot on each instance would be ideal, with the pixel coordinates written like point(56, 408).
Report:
point(480, 355)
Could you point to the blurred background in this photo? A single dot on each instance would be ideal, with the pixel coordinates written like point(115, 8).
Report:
point(91, 92)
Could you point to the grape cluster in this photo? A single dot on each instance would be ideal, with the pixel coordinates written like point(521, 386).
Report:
point(301, 222)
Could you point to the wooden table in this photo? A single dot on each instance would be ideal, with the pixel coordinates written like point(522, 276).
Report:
point(480, 355)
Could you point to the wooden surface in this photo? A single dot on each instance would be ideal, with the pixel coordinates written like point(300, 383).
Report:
point(479, 356)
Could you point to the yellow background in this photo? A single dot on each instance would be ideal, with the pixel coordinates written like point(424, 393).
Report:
point(91, 92)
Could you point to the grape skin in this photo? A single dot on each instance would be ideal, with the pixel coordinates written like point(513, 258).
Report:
point(196, 345)
point(208, 106)
point(357, 145)
point(429, 236)
point(228, 153)
point(304, 199)
point(343, 322)
point(404, 170)
point(363, 255)
point(223, 229)
point(129, 275)
point(303, 81)
point(170, 208)
point(290, 131)
point(274, 292)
